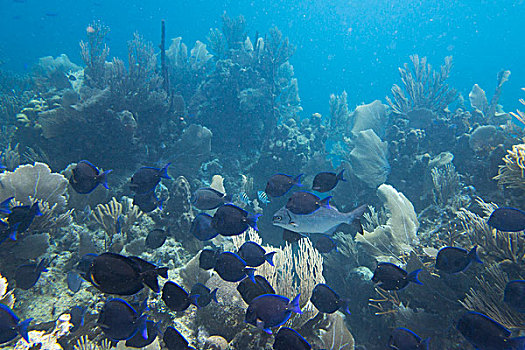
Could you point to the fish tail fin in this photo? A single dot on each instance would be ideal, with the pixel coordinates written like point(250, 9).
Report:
point(228, 198)
point(517, 343)
point(4, 206)
point(294, 304)
point(269, 258)
point(425, 343)
point(13, 231)
point(325, 202)
point(356, 213)
point(143, 326)
point(340, 176)
point(143, 306)
point(42, 265)
point(297, 180)
point(251, 273)
point(22, 328)
point(412, 277)
point(103, 178)
point(252, 221)
point(194, 300)
point(345, 308)
point(213, 295)
point(473, 255)
point(35, 209)
point(162, 272)
point(164, 171)
point(150, 279)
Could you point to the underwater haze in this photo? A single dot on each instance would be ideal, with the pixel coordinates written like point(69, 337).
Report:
point(343, 175)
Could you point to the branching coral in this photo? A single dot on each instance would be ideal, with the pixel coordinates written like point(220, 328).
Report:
point(519, 115)
point(292, 274)
point(234, 30)
point(110, 217)
point(487, 298)
point(47, 341)
point(497, 244)
point(446, 183)
point(512, 173)
point(94, 53)
point(339, 114)
point(139, 88)
point(84, 343)
point(423, 87)
point(10, 157)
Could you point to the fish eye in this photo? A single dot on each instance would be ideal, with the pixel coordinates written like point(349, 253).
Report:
point(277, 218)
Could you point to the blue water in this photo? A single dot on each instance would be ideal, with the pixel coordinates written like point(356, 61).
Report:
point(341, 45)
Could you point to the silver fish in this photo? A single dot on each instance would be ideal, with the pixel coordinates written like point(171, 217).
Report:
point(324, 220)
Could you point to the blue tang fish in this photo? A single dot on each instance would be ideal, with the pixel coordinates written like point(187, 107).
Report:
point(120, 321)
point(279, 184)
point(392, 277)
point(454, 259)
point(254, 254)
point(271, 310)
point(405, 339)
point(86, 177)
point(507, 219)
point(326, 181)
point(514, 295)
point(147, 178)
point(10, 325)
point(288, 339)
point(486, 334)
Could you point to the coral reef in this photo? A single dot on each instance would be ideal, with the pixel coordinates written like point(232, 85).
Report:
point(29, 183)
point(6, 297)
point(399, 235)
point(512, 173)
point(424, 88)
point(369, 158)
point(47, 341)
point(231, 106)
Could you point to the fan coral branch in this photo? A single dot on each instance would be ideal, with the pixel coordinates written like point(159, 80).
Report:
point(487, 298)
point(498, 244)
point(108, 216)
point(423, 87)
point(339, 114)
point(34, 182)
point(234, 30)
point(446, 183)
point(512, 173)
point(94, 53)
point(519, 115)
point(292, 273)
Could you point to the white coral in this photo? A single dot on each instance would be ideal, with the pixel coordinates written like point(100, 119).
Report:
point(34, 182)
